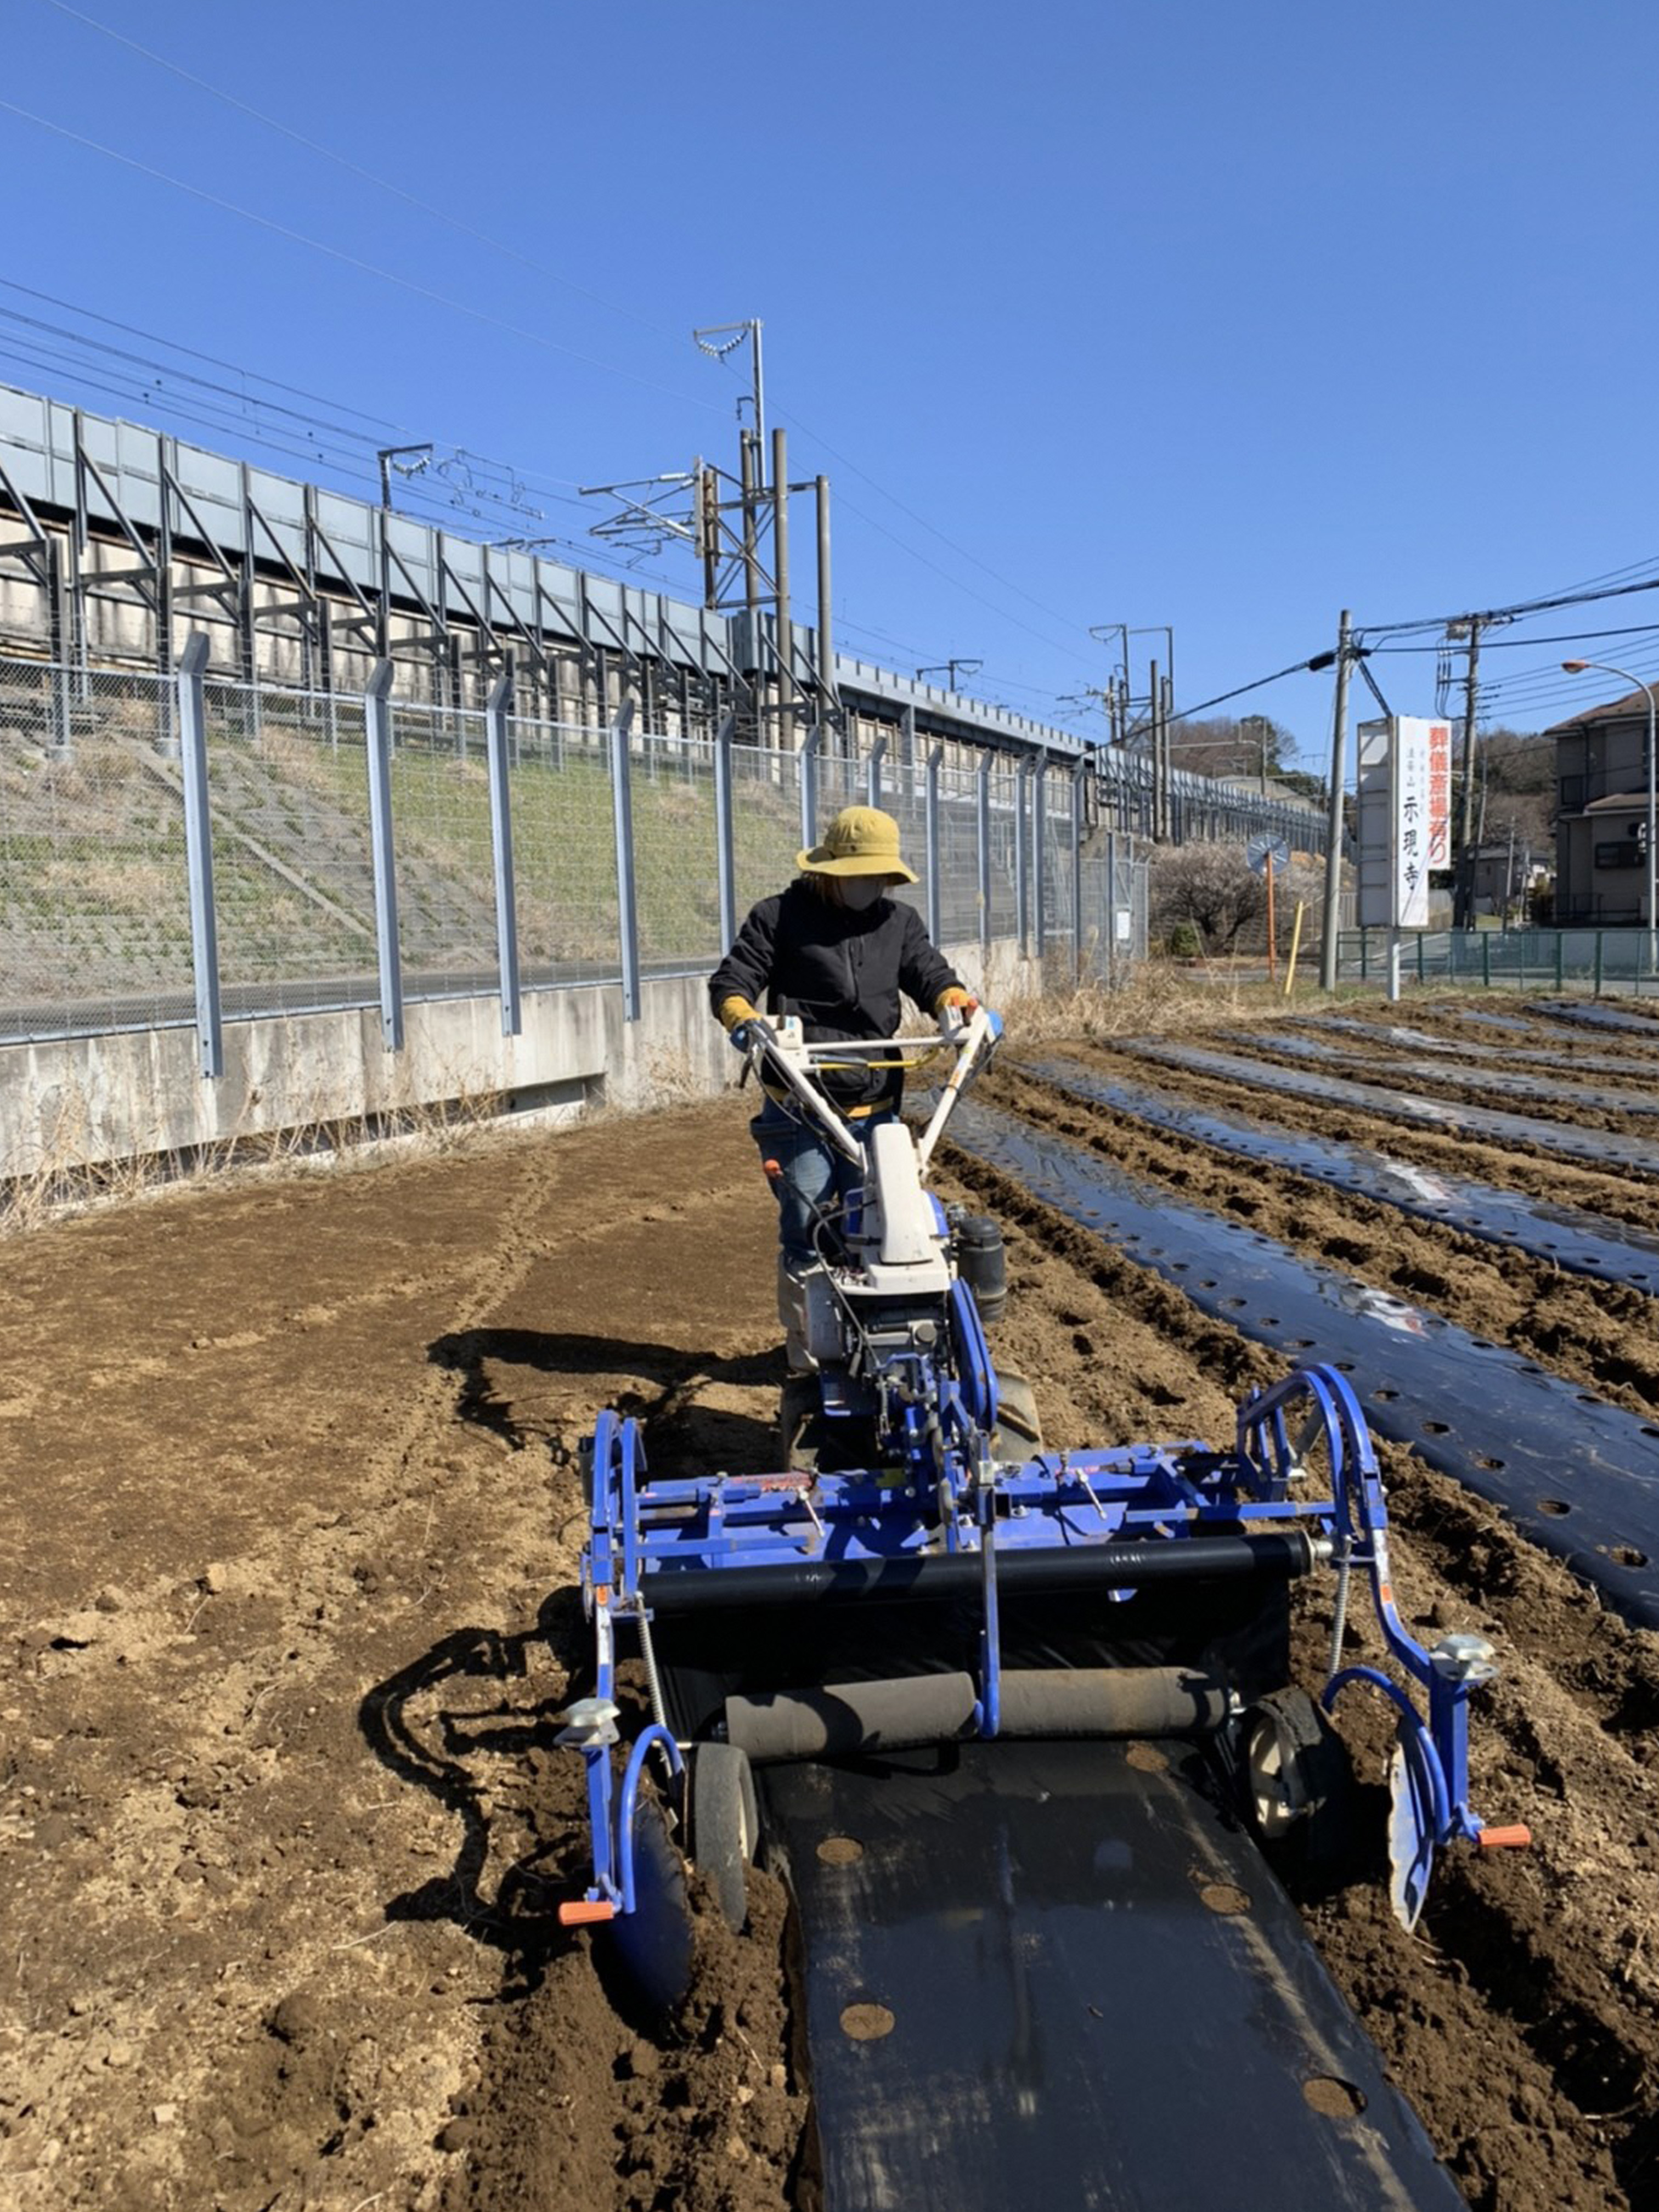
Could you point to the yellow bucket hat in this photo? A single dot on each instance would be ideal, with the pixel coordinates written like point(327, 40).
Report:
point(861, 840)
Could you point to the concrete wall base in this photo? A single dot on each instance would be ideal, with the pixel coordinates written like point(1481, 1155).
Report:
point(87, 1102)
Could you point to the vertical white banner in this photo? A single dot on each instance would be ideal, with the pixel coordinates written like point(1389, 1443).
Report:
point(1412, 819)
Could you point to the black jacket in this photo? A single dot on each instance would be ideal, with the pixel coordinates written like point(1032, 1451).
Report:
point(841, 972)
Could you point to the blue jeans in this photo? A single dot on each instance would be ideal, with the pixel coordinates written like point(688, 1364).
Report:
point(813, 1178)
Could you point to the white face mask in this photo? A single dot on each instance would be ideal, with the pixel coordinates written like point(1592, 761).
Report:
point(860, 892)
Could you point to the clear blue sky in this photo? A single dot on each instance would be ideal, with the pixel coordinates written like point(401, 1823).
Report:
point(1215, 315)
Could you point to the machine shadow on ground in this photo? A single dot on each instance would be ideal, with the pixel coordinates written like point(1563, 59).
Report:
point(450, 1724)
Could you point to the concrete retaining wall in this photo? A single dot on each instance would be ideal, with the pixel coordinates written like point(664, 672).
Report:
point(88, 1102)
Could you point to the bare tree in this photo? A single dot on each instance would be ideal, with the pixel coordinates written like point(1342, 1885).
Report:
point(1213, 889)
point(1209, 885)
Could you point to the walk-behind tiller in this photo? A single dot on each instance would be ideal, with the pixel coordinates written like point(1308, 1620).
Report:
point(925, 1573)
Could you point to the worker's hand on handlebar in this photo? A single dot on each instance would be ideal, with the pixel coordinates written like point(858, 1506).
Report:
point(955, 1009)
point(744, 1022)
point(755, 1030)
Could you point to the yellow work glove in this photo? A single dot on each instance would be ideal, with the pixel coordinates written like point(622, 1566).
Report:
point(954, 1008)
point(734, 1012)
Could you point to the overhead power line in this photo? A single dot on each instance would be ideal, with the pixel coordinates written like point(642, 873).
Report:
point(495, 244)
point(340, 254)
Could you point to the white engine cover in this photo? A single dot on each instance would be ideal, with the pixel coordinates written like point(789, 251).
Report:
point(902, 1245)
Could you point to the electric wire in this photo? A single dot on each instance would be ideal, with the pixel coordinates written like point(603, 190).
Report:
point(356, 169)
point(528, 261)
point(349, 260)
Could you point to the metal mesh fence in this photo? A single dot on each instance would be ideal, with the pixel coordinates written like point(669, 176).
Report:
point(676, 854)
point(1115, 905)
point(94, 917)
point(293, 877)
point(765, 821)
point(95, 870)
point(564, 854)
point(442, 835)
point(958, 857)
point(1511, 959)
point(1057, 874)
point(1005, 830)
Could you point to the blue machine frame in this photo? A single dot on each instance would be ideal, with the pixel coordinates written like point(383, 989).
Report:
point(642, 1533)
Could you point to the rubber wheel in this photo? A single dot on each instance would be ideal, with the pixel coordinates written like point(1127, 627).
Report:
point(725, 1824)
point(653, 1943)
point(1300, 1787)
point(1018, 1432)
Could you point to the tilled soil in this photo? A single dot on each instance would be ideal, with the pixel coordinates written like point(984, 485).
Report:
point(293, 1510)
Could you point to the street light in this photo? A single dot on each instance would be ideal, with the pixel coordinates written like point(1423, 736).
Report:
point(1577, 668)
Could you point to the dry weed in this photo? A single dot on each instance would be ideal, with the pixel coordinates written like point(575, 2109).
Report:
point(1157, 1001)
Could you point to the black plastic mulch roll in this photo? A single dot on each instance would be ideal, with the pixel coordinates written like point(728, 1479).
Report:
point(1601, 1147)
point(1579, 1476)
point(1566, 1235)
point(1057, 1975)
point(1574, 1093)
point(1601, 1018)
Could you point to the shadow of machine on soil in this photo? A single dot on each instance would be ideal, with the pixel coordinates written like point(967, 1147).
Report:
point(662, 1383)
point(422, 1724)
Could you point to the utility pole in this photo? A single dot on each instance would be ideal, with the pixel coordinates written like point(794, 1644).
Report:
point(1466, 840)
point(1463, 880)
point(1333, 846)
point(1160, 765)
point(948, 670)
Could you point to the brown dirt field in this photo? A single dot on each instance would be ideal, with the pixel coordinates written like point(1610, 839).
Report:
point(289, 1468)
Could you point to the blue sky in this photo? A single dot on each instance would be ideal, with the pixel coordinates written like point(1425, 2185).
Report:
point(1217, 316)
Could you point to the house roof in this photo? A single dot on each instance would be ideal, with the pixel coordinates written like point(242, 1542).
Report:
point(1631, 707)
point(1618, 802)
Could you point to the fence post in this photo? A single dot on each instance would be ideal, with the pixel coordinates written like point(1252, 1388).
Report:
point(497, 740)
point(1111, 910)
point(982, 796)
point(725, 849)
point(1559, 944)
point(198, 854)
point(621, 808)
point(808, 758)
point(1079, 775)
point(1040, 855)
point(935, 901)
point(1021, 883)
point(377, 732)
point(873, 779)
point(1485, 958)
point(1597, 993)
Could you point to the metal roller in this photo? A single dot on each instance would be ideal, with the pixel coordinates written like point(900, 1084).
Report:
point(857, 1717)
point(1275, 1556)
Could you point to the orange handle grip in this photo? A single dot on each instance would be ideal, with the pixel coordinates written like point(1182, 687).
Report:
point(584, 1909)
point(1499, 1839)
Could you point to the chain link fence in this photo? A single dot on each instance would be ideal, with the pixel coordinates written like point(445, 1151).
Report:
point(497, 849)
point(94, 915)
